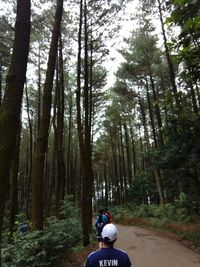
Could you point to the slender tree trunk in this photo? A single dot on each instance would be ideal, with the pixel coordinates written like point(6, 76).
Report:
point(194, 101)
point(0, 83)
point(123, 166)
point(169, 60)
point(39, 90)
point(85, 228)
point(106, 184)
point(156, 171)
point(159, 186)
point(87, 168)
point(128, 154)
point(69, 177)
point(51, 185)
point(84, 127)
point(151, 116)
point(144, 122)
point(198, 94)
point(115, 174)
point(134, 155)
point(60, 131)
point(30, 154)
point(84, 164)
point(157, 112)
point(14, 186)
point(42, 135)
point(11, 104)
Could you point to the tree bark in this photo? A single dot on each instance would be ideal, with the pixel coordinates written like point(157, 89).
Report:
point(0, 83)
point(51, 185)
point(60, 131)
point(169, 60)
point(128, 154)
point(29, 171)
point(42, 135)
point(14, 187)
point(11, 104)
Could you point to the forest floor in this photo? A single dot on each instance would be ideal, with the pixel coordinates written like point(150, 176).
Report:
point(147, 248)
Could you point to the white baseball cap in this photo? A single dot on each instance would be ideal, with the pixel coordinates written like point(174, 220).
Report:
point(109, 232)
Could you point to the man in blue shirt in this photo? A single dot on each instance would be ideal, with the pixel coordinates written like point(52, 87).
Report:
point(101, 221)
point(108, 255)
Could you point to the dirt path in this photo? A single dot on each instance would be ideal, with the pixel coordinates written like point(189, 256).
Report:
point(146, 248)
point(149, 248)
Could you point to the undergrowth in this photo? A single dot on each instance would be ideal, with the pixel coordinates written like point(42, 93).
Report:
point(38, 248)
point(175, 218)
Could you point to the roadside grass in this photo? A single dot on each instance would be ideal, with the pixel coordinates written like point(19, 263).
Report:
point(182, 225)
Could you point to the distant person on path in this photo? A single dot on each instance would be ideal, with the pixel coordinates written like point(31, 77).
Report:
point(108, 255)
point(24, 228)
point(108, 216)
point(101, 221)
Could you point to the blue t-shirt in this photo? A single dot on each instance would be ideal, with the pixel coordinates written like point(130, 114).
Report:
point(108, 257)
point(104, 219)
point(24, 228)
point(100, 223)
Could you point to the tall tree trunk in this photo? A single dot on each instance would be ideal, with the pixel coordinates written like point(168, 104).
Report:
point(79, 125)
point(60, 131)
point(51, 185)
point(11, 104)
point(169, 60)
point(84, 127)
point(30, 154)
point(87, 167)
point(39, 89)
point(144, 122)
point(159, 186)
point(69, 177)
point(198, 94)
point(194, 101)
point(151, 116)
point(134, 155)
point(0, 83)
point(106, 184)
point(156, 171)
point(42, 135)
point(115, 172)
point(14, 186)
point(122, 166)
point(157, 112)
point(128, 154)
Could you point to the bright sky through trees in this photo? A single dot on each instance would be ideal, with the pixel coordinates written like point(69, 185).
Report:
point(127, 25)
point(114, 59)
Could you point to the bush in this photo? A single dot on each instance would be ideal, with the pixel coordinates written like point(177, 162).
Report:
point(38, 248)
point(194, 237)
point(168, 213)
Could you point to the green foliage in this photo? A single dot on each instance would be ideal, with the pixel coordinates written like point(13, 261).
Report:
point(173, 218)
point(142, 188)
point(182, 201)
point(120, 212)
point(186, 15)
point(194, 237)
point(157, 214)
point(178, 158)
point(43, 248)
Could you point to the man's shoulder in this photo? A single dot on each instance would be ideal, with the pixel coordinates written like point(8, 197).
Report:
point(94, 253)
point(100, 252)
point(120, 250)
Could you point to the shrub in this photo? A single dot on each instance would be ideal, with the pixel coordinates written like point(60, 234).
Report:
point(194, 237)
point(38, 248)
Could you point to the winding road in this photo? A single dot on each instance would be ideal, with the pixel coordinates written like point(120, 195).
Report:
point(149, 248)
